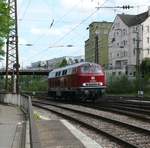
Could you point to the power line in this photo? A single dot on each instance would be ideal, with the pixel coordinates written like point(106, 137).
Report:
point(20, 6)
point(84, 20)
point(68, 32)
point(72, 29)
point(57, 21)
point(123, 7)
point(25, 11)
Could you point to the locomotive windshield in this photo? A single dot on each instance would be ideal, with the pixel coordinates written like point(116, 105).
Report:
point(91, 68)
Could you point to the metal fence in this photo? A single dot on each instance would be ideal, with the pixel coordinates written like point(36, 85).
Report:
point(25, 104)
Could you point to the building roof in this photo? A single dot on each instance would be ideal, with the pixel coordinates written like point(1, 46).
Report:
point(102, 22)
point(133, 20)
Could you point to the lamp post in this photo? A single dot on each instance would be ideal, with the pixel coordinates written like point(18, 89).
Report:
point(96, 47)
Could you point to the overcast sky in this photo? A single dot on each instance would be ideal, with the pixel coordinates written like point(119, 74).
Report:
point(52, 23)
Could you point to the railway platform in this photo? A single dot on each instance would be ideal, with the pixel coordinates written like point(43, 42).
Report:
point(61, 134)
point(16, 131)
point(11, 126)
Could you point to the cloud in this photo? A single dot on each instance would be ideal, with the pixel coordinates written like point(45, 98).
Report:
point(53, 31)
point(30, 9)
point(22, 41)
point(35, 26)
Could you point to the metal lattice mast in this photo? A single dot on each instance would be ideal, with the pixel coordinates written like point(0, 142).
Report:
point(12, 59)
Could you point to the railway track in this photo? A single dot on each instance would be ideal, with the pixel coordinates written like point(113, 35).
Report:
point(130, 103)
point(124, 134)
point(142, 114)
point(138, 110)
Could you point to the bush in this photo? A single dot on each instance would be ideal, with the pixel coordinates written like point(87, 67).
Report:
point(36, 83)
point(120, 85)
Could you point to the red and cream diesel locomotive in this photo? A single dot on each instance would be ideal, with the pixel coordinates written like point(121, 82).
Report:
point(82, 80)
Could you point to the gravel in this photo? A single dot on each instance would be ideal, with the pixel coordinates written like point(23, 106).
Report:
point(100, 139)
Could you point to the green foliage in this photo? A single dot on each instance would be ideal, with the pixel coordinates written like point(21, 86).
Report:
point(120, 85)
point(2, 82)
point(123, 85)
point(63, 63)
point(33, 83)
point(145, 66)
point(145, 69)
point(36, 116)
point(5, 23)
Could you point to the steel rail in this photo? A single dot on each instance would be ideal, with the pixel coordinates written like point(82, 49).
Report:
point(133, 109)
point(118, 111)
point(101, 117)
point(99, 131)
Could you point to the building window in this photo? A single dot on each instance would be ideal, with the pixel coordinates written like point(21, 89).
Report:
point(113, 73)
point(147, 28)
point(134, 51)
point(113, 40)
point(148, 40)
point(134, 41)
point(119, 73)
point(148, 51)
point(124, 31)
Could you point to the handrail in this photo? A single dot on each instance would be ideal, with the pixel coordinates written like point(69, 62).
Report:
point(25, 104)
point(34, 139)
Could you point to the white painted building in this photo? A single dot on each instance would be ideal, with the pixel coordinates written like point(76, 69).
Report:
point(55, 62)
point(123, 36)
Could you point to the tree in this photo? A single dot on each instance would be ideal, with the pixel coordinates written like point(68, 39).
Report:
point(63, 63)
point(145, 70)
point(145, 66)
point(6, 23)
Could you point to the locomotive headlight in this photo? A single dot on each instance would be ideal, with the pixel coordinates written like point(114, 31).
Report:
point(101, 83)
point(84, 84)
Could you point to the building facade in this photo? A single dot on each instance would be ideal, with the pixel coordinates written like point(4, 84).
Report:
point(101, 30)
point(128, 35)
point(55, 62)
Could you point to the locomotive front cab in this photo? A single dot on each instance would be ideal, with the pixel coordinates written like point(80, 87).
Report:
point(91, 80)
point(91, 75)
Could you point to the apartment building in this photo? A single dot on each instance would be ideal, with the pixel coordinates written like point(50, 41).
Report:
point(128, 34)
point(101, 30)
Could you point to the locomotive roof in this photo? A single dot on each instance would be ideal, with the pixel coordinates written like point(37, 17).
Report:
point(71, 66)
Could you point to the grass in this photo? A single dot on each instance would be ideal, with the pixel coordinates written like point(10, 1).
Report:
point(36, 116)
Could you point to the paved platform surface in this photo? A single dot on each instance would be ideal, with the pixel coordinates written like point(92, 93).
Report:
point(53, 134)
point(62, 134)
point(10, 126)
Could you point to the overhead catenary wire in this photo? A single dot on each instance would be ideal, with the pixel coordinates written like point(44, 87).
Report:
point(57, 21)
point(66, 34)
point(26, 9)
point(61, 38)
point(75, 27)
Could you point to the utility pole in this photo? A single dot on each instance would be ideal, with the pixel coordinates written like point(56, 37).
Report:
point(138, 71)
point(12, 58)
point(137, 53)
